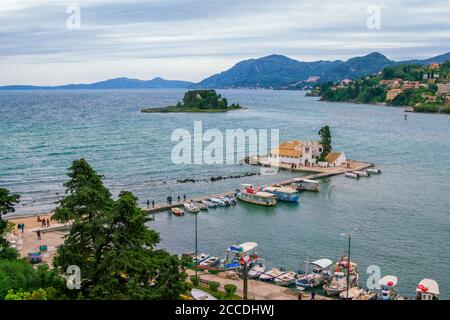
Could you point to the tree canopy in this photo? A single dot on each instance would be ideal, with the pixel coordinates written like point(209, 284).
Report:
point(325, 135)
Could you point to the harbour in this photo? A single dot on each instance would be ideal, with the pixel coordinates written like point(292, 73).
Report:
point(402, 225)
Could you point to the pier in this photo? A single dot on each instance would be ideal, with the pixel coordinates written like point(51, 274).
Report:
point(317, 173)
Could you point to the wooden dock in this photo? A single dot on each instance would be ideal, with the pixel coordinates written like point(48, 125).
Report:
point(319, 173)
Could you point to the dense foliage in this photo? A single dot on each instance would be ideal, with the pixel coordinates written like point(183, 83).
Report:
point(325, 136)
point(370, 89)
point(204, 99)
point(7, 202)
point(110, 243)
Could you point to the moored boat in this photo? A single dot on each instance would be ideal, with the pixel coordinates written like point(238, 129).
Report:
point(338, 283)
point(198, 294)
point(200, 257)
point(177, 211)
point(283, 193)
point(211, 261)
point(351, 175)
point(271, 274)
point(319, 274)
point(373, 171)
point(352, 293)
point(427, 289)
point(209, 204)
point(201, 206)
point(218, 202)
point(306, 184)
point(286, 279)
point(191, 207)
point(388, 286)
point(259, 266)
point(251, 195)
point(361, 173)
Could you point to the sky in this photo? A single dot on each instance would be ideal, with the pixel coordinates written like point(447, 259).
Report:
point(41, 42)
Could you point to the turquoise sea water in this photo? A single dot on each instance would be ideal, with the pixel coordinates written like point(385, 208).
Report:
point(403, 215)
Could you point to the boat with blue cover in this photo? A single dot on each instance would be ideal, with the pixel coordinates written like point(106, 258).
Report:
point(287, 194)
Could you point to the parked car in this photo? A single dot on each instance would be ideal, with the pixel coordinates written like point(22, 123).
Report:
point(34, 257)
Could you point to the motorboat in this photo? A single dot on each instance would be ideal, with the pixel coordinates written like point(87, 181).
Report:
point(200, 257)
point(191, 207)
point(259, 266)
point(271, 275)
point(209, 204)
point(177, 211)
point(320, 272)
point(427, 289)
point(361, 173)
point(229, 200)
point(339, 283)
point(242, 249)
point(286, 279)
point(373, 171)
point(287, 194)
point(352, 294)
point(211, 261)
point(219, 202)
point(201, 206)
point(306, 184)
point(255, 196)
point(388, 286)
point(339, 280)
point(351, 175)
point(198, 294)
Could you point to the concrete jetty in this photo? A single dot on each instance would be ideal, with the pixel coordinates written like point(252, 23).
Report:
point(317, 173)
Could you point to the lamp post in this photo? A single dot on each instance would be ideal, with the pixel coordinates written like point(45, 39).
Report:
point(349, 236)
point(196, 244)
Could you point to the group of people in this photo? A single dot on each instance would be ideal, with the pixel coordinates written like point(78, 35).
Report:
point(45, 223)
point(21, 227)
point(169, 201)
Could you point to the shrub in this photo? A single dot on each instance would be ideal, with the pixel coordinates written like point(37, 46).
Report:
point(213, 272)
point(195, 280)
point(213, 285)
point(230, 289)
point(188, 287)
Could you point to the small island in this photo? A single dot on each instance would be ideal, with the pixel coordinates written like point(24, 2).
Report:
point(198, 101)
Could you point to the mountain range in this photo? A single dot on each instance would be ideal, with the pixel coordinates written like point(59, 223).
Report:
point(274, 71)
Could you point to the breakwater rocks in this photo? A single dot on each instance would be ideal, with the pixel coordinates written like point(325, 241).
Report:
point(219, 178)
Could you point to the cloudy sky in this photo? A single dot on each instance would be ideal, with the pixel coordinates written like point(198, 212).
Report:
point(192, 39)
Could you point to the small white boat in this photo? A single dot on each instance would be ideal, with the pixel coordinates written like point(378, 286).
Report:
point(190, 207)
point(351, 175)
point(353, 293)
point(177, 211)
point(211, 261)
point(306, 184)
point(272, 274)
point(388, 286)
point(209, 204)
point(339, 283)
point(286, 279)
point(427, 289)
point(374, 171)
point(361, 173)
point(243, 248)
point(201, 206)
point(200, 257)
point(198, 294)
point(259, 266)
point(320, 272)
point(218, 202)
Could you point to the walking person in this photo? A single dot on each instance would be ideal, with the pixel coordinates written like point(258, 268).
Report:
point(179, 198)
point(184, 197)
point(313, 295)
point(38, 234)
point(153, 203)
point(48, 223)
point(43, 223)
point(23, 227)
point(148, 203)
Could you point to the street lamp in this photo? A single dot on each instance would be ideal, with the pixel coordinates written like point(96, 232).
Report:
point(196, 258)
point(349, 236)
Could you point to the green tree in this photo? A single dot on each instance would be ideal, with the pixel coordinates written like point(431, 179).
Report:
point(7, 203)
point(87, 205)
point(111, 244)
point(21, 276)
point(325, 136)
